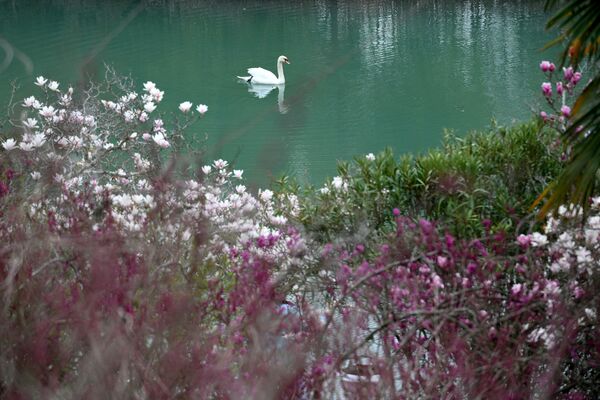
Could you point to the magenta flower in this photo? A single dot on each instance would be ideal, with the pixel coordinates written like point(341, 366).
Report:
point(544, 115)
point(547, 89)
point(524, 240)
point(442, 261)
point(568, 73)
point(516, 289)
point(576, 78)
point(545, 66)
point(559, 88)
point(566, 111)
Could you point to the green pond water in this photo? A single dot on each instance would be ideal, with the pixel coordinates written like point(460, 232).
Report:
point(364, 75)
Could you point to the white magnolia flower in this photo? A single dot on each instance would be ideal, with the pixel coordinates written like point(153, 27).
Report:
point(36, 175)
point(220, 164)
point(185, 106)
point(541, 334)
point(30, 123)
point(9, 144)
point(160, 140)
point(583, 255)
point(40, 81)
point(202, 108)
point(38, 140)
point(566, 240)
point(206, 169)
point(53, 85)
point(370, 157)
point(25, 146)
point(157, 94)
point(143, 117)
point(266, 195)
point(47, 112)
point(237, 173)
point(538, 239)
point(123, 200)
point(128, 115)
point(591, 236)
point(65, 99)
point(149, 107)
point(324, 190)
point(240, 189)
point(31, 102)
point(149, 86)
point(594, 222)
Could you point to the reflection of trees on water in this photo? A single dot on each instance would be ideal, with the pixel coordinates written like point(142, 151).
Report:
point(471, 44)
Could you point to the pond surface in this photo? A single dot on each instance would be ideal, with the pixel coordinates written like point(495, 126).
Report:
point(363, 75)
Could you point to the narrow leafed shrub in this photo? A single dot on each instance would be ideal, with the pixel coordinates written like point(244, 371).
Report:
point(487, 175)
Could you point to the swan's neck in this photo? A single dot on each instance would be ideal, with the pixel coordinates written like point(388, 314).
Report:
point(280, 76)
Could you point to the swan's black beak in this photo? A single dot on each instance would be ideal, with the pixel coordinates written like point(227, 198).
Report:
point(287, 61)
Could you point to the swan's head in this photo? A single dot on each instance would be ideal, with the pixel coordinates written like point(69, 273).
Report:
point(283, 59)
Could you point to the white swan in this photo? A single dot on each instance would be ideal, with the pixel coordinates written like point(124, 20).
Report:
point(261, 76)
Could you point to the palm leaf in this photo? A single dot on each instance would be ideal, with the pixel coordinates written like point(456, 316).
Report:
point(579, 21)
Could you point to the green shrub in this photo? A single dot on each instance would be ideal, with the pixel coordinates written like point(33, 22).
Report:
point(494, 175)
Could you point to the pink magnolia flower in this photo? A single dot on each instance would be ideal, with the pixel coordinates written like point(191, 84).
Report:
point(524, 240)
point(568, 72)
point(576, 78)
point(547, 89)
point(544, 115)
point(516, 289)
point(545, 66)
point(566, 111)
point(442, 261)
point(559, 88)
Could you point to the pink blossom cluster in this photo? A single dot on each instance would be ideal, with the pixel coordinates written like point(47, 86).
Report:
point(561, 111)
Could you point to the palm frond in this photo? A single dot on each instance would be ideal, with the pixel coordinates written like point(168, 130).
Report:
point(577, 181)
point(579, 22)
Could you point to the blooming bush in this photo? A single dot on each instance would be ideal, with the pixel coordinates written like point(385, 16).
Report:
point(565, 88)
point(128, 274)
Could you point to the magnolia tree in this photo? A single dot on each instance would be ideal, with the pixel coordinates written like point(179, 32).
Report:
point(125, 276)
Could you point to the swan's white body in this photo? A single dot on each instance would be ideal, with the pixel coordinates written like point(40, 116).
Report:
point(261, 76)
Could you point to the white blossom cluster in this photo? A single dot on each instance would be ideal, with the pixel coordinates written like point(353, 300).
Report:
point(78, 140)
point(572, 244)
point(573, 256)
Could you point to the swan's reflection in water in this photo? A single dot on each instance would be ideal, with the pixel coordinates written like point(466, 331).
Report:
point(262, 91)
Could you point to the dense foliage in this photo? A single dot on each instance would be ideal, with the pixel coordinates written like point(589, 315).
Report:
point(125, 274)
point(493, 175)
